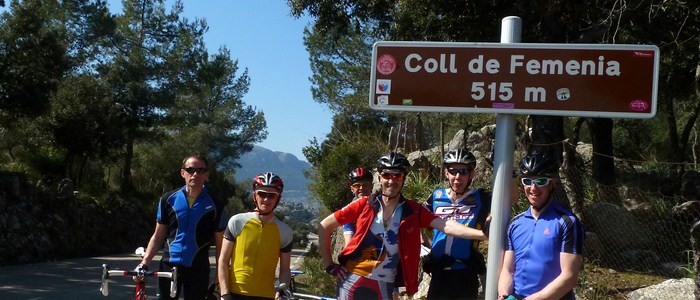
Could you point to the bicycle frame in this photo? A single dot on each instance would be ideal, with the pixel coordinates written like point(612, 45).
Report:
point(141, 275)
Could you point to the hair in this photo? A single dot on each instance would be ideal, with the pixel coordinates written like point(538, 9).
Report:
point(197, 156)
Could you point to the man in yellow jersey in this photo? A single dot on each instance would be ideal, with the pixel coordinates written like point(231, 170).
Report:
point(253, 243)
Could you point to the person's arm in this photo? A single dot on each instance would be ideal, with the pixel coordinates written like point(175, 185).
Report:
point(454, 228)
point(426, 240)
point(565, 282)
point(505, 277)
point(285, 272)
point(325, 228)
point(324, 238)
point(225, 262)
point(154, 243)
point(219, 239)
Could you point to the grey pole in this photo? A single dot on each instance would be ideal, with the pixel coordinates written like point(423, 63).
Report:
point(503, 179)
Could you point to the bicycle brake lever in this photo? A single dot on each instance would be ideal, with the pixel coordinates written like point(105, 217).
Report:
point(173, 283)
point(105, 280)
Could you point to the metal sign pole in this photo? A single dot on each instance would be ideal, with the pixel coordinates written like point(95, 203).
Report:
point(503, 180)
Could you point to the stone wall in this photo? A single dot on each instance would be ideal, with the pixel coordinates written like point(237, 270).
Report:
point(48, 221)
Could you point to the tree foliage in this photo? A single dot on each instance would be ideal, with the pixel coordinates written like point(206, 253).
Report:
point(345, 29)
point(115, 101)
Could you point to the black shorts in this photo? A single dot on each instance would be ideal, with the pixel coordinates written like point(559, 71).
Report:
point(192, 283)
point(453, 284)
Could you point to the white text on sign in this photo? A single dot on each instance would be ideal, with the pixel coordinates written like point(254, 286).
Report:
point(447, 64)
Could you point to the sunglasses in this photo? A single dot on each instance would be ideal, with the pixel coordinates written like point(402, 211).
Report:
point(197, 170)
point(359, 185)
point(462, 172)
point(394, 176)
point(539, 182)
point(264, 195)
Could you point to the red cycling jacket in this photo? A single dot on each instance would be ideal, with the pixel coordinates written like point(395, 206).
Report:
point(413, 217)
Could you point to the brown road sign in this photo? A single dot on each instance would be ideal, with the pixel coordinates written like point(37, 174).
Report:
point(591, 80)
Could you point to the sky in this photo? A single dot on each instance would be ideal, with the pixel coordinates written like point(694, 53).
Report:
point(268, 41)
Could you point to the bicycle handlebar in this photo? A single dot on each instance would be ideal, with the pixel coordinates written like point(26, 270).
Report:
point(106, 273)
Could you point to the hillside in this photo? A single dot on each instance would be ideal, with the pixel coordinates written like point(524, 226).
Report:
point(286, 165)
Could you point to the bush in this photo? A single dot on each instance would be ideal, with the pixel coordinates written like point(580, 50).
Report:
point(315, 276)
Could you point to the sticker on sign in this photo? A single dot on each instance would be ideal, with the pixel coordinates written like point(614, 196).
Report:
point(590, 80)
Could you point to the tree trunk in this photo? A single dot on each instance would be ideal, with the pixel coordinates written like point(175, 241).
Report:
point(603, 161)
point(126, 185)
point(548, 137)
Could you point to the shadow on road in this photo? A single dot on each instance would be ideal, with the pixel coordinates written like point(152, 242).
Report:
point(69, 279)
point(80, 278)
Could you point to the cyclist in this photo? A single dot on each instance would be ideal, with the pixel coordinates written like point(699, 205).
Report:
point(360, 181)
point(544, 244)
point(253, 244)
point(384, 252)
point(190, 219)
point(457, 262)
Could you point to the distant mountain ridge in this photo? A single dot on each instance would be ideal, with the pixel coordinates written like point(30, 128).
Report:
point(286, 165)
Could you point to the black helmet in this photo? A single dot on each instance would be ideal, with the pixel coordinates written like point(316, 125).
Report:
point(459, 156)
point(359, 174)
point(268, 179)
point(393, 160)
point(538, 164)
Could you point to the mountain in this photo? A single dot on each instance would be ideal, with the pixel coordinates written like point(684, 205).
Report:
point(286, 165)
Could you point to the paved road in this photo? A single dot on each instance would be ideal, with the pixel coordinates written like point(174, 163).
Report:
point(78, 278)
point(68, 279)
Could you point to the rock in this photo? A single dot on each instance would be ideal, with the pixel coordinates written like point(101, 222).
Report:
point(672, 289)
point(592, 246)
point(617, 228)
point(687, 211)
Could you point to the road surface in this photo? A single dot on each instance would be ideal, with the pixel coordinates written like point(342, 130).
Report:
point(79, 278)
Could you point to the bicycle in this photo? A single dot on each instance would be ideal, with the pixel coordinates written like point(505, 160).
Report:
point(140, 277)
point(290, 293)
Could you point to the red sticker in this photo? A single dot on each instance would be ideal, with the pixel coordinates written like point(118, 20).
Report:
point(639, 105)
point(386, 64)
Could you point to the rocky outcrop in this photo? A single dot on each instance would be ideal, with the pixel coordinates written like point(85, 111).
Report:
point(672, 289)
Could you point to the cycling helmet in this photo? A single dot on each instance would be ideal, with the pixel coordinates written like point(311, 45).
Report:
point(459, 156)
point(395, 161)
point(538, 164)
point(268, 179)
point(359, 174)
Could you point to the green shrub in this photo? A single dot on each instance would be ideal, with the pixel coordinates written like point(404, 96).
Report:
point(315, 277)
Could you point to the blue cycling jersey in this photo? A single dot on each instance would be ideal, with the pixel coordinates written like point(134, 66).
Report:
point(471, 210)
point(537, 244)
point(190, 230)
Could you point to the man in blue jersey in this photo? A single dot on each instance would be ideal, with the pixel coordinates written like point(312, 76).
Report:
point(544, 244)
point(188, 220)
point(455, 263)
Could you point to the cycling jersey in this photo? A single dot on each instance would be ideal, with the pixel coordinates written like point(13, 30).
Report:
point(457, 261)
point(471, 210)
point(537, 244)
point(349, 228)
point(256, 253)
point(412, 217)
point(190, 230)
